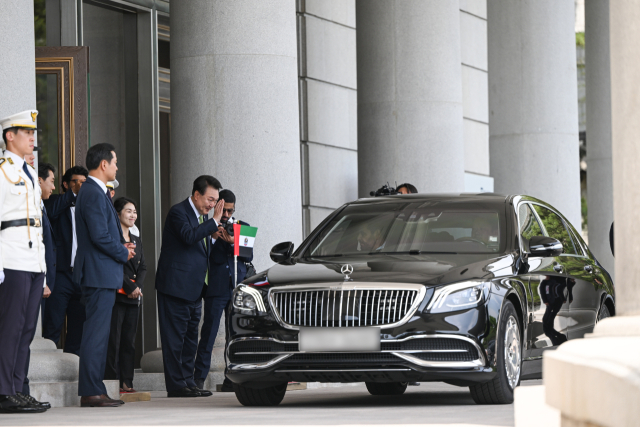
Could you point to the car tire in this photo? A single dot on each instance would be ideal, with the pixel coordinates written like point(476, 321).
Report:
point(386, 389)
point(508, 363)
point(269, 396)
point(604, 312)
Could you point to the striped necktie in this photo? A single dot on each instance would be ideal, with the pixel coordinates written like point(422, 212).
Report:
point(206, 277)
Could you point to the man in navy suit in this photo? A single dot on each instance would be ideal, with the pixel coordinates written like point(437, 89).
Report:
point(101, 254)
point(183, 272)
point(65, 298)
point(218, 294)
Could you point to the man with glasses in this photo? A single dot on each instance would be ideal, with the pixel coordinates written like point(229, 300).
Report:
point(218, 294)
point(65, 298)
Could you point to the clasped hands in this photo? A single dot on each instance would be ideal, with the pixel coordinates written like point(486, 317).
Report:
point(131, 248)
point(135, 294)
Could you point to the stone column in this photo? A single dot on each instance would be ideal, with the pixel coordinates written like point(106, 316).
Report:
point(600, 169)
point(409, 95)
point(606, 361)
point(533, 102)
point(18, 67)
point(234, 108)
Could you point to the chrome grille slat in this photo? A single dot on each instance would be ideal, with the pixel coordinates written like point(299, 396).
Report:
point(345, 307)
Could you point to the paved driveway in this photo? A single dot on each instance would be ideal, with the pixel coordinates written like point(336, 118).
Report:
point(429, 403)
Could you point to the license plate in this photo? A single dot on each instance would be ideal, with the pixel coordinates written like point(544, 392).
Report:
point(339, 339)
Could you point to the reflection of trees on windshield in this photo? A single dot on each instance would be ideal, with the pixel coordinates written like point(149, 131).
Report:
point(555, 228)
point(529, 226)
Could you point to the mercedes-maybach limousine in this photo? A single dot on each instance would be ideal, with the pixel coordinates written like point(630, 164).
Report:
point(465, 289)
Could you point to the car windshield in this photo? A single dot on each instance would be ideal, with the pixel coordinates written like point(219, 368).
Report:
point(411, 228)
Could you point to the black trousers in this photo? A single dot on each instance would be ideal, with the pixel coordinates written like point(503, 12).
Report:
point(122, 343)
point(20, 295)
point(549, 316)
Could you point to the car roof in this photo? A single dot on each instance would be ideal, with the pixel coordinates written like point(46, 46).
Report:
point(452, 197)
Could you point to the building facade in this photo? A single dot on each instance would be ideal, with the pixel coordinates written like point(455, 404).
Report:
point(301, 106)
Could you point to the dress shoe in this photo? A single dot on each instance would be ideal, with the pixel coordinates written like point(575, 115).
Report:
point(203, 393)
point(118, 401)
point(199, 384)
point(183, 392)
point(15, 405)
point(101, 401)
point(32, 401)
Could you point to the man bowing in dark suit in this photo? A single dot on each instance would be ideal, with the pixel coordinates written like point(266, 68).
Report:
point(183, 272)
point(100, 257)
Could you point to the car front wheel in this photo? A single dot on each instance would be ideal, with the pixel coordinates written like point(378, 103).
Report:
point(509, 362)
point(269, 396)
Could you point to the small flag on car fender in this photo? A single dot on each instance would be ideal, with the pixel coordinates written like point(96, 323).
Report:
point(244, 236)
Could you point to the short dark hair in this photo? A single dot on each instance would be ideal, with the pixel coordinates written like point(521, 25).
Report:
point(121, 202)
point(203, 182)
point(412, 189)
point(75, 170)
point(98, 153)
point(4, 133)
point(43, 170)
point(228, 196)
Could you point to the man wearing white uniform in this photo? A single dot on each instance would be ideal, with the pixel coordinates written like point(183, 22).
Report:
point(22, 261)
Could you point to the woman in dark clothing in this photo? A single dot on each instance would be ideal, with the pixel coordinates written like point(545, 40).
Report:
point(124, 317)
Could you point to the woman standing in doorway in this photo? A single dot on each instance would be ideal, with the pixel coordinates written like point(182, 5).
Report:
point(124, 317)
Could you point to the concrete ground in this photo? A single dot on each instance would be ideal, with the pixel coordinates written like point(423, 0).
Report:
point(429, 403)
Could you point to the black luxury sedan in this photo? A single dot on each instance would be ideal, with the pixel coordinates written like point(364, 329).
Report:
point(465, 289)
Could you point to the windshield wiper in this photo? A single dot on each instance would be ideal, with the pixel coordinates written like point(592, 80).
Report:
point(412, 252)
point(326, 256)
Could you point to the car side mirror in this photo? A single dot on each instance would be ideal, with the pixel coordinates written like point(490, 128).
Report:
point(545, 246)
point(281, 253)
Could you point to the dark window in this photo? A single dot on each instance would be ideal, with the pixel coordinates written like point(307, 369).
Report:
point(529, 225)
point(164, 54)
point(555, 228)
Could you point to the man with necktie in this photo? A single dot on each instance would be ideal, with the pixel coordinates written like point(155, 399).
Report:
point(22, 260)
point(183, 272)
point(98, 269)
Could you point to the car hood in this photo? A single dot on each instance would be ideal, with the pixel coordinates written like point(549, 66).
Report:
point(432, 270)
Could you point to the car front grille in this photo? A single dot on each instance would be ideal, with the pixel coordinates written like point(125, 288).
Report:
point(343, 308)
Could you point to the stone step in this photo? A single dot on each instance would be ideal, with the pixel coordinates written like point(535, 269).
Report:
point(141, 396)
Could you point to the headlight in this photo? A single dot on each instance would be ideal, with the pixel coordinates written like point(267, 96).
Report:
point(458, 296)
point(248, 299)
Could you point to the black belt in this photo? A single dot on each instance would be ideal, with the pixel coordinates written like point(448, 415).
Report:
point(33, 222)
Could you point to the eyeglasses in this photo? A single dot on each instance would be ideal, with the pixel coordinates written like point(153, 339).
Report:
point(229, 211)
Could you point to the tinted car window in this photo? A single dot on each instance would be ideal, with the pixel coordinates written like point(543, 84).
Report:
point(411, 228)
point(529, 225)
point(555, 228)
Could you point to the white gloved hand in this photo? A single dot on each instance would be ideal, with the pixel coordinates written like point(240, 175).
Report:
point(1, 276)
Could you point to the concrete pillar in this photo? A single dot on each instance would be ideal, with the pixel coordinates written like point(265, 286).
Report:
point(600, 168)
point(533, 104)
point(409, 95)
point(234, 108)
point(18, 66)
point(625, 128)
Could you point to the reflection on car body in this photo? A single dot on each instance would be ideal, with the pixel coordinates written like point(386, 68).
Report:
point(417, 288)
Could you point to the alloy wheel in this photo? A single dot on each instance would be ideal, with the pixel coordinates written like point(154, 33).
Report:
point(512, 352)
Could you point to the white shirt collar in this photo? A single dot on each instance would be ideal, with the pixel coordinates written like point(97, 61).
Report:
point(17, 160)
point(100, 183)
point(194, 209)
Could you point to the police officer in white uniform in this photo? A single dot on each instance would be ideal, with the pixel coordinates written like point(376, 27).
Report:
point(22, 261)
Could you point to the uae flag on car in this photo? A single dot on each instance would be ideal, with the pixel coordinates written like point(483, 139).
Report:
point(244, 236)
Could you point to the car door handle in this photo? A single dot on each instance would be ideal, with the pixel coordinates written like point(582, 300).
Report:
point(588, 269)
point(558, 268)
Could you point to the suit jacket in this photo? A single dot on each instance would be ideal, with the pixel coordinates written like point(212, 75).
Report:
point(101, 252)
point(49, 249)
point(135, 271)
point(221, 268)
point(59, 211)
point(183, 261)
